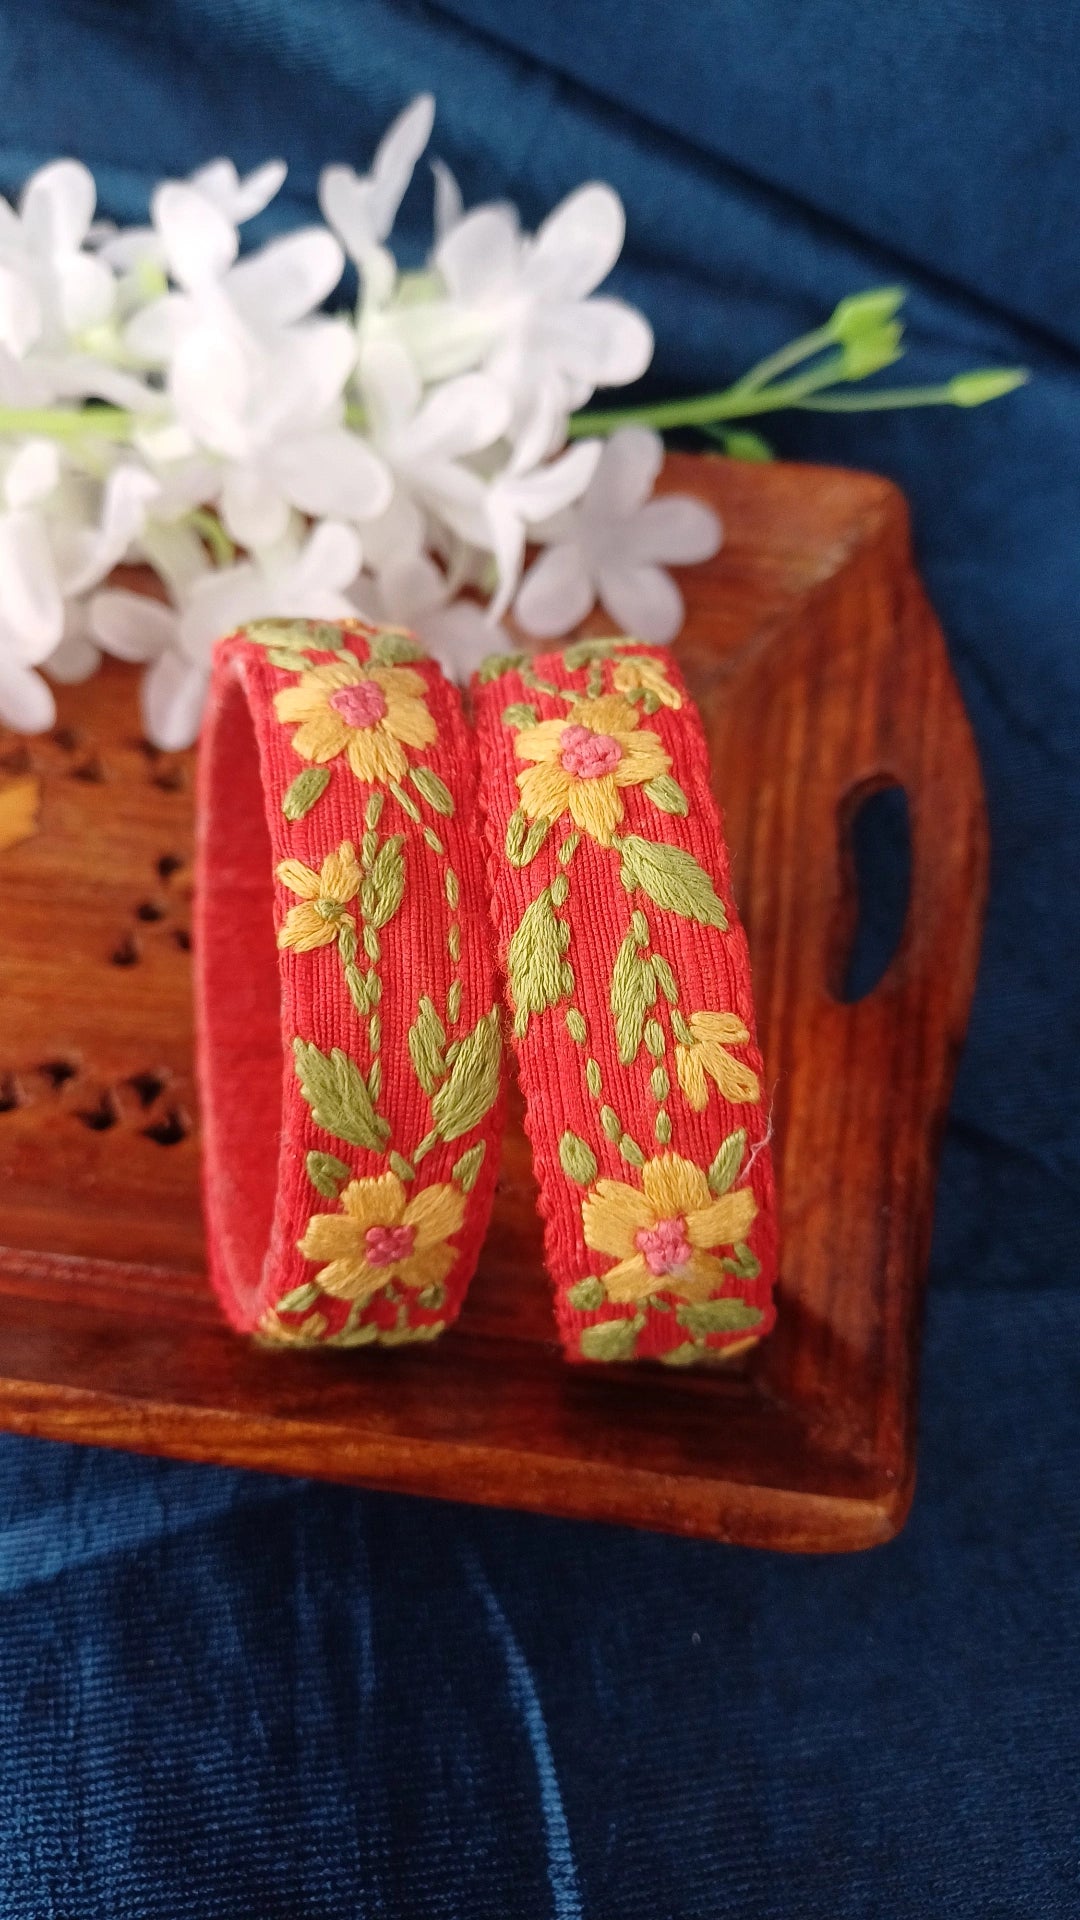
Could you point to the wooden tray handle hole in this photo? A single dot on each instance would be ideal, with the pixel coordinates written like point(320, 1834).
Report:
point(874, 824)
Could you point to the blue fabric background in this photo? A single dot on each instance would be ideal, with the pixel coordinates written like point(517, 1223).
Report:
point(223, 1695)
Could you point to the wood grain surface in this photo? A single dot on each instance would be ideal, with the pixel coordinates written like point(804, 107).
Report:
point(821, 675)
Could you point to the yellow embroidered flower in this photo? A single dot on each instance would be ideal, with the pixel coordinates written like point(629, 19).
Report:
point(369, 714)
point(650, 675)
point(380, 1235)
point(324, 897)
point(583, 760)
point(713, 1034)
point(660, 1233)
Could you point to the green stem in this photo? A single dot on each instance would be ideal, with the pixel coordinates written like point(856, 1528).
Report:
point(68, 423)
point(792, 355)
point(734, 403)
point(881, 399)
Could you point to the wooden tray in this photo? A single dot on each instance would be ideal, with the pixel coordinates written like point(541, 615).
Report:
point(822, 675)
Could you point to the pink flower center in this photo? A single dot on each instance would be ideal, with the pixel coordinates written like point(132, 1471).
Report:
point(586, 754)
point(665, 1246)
point(360, 706)
point(385, 1246)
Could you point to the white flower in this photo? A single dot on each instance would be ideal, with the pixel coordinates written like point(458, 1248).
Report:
point(520, 499)
point(362, 208)
point(307, 580)
point(521, 305)
point(239, 199)
point(417, 594)
point(252, 379)
point(426, 439)
point(613, 546)
point(60, 534)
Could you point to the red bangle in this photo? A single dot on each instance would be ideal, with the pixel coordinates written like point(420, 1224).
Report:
point(629, 982)
point(348, 1037)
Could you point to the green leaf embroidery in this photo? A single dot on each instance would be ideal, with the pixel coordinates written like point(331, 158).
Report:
point(666, 793)
point(587, 1295)
point(745, 1265)
point(394, 648)
point(633, 990)
point(672, 878)
point(611, 1123)
point(583, 651)
point(687, 1355)
point(577, 1159)
point(289, 659)
point(402, 1167)
point(430, 1299)
point(610, 1340)
point(669, 986)
point(474, 1079)
point(327, 1173)
point(427, 1038)
point(519, 714)
point(728, 1160)
point(383, 888)
point(497, 664)
point(524, 841)
point(435, 791)
point(299, 1299)
point(296, 634)
point(300, 797)
point(335, 1090)
point(466, 1171)
point(534, 961)
point(717, 1316)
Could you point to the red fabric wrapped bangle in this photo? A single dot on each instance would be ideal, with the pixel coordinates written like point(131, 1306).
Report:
point(629, 983)
point(348, 1037)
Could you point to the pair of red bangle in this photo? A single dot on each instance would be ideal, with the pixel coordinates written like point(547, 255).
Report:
point(350, 1023)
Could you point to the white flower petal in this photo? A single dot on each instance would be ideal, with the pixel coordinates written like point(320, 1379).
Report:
point(200, 243)
point(239, 199)
point(78, 376)
point(74, 660)
point(253, 506)
point(460, 636)
point(628, 471)
point(333, 472)
point(330, 560)
point(548, 488)
point(459, 417)
point(87, 554)
point(33, 473)
point(578, 244)
point(287, 279)
point(395, 158)
point(20, 311)
point(131, 626)
point(26, 700)
point(57, 206)
point(676, 530)
point(210, 383)
point(449, 205)
point(556, 593)
point(411, 588)
point(643, 601)
point(602, 343)
point(481, 253)
point(153, 334)
point(30, 599)
point(390, 385)
point(87, 290)
point(172, 695)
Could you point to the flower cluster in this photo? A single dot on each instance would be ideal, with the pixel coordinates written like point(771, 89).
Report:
point(169, 399)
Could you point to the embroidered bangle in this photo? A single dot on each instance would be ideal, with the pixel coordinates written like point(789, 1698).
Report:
point(629, 985)
point(341, 918)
